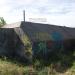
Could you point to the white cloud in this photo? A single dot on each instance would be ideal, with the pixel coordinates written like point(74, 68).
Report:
point(61, 12)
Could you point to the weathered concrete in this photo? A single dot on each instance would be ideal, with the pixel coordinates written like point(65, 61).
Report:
point(14, 40)
point(11, 44)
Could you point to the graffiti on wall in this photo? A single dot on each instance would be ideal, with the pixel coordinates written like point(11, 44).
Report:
point(45, 45)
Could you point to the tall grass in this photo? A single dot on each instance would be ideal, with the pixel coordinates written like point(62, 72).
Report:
point(9, 67)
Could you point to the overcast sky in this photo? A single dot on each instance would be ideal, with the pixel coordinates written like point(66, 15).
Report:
point(59, 12)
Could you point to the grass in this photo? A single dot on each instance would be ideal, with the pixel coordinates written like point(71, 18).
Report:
point(8, 67)
point(66, 66)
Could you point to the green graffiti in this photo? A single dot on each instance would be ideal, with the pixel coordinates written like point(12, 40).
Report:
point(42, 46)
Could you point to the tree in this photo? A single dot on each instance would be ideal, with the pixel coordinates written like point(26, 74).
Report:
point(2, 21)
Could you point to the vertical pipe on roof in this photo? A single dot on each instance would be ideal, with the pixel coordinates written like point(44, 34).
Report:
point(24, 15)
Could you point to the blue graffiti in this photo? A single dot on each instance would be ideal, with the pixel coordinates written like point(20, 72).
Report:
point(56, 36)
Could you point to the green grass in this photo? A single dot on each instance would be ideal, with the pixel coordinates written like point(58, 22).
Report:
point(9, 68)
point(13, 67)
point(65, 66)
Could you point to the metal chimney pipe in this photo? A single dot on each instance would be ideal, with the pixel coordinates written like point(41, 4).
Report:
point(24, 15)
